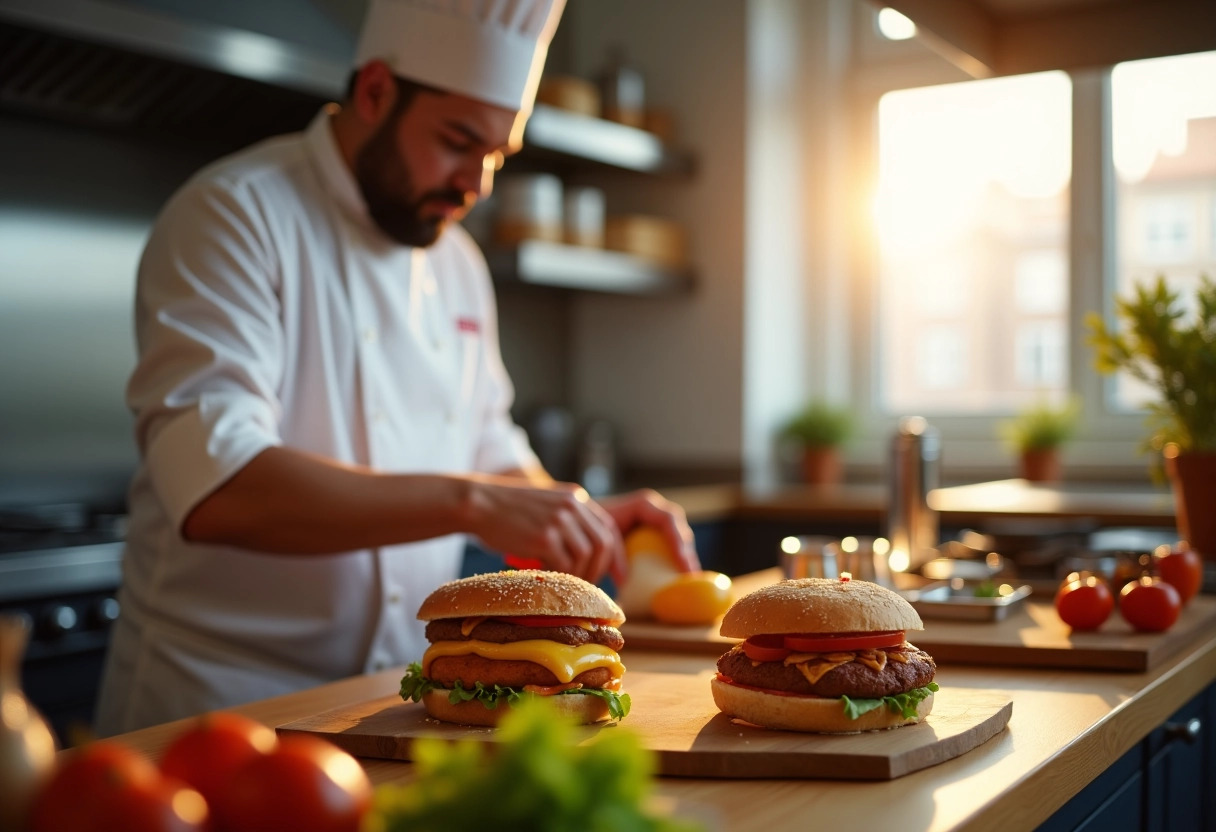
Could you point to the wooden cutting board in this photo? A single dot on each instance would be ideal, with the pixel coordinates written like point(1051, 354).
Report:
point(675, 715)
point(1034, 636)
point(1031, 636)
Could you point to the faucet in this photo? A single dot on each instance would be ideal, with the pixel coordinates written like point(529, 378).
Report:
point(912, 526)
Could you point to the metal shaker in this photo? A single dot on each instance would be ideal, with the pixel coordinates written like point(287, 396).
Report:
point(912, 526)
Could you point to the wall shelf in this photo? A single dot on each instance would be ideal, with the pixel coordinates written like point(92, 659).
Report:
point(554, 265)
point(553, 133)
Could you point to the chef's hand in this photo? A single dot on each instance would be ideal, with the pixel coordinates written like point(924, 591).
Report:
point(557, 524)
point(650, 508)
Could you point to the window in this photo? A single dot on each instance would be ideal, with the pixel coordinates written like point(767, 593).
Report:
point(972, 214)
point(1004, 212)
point(1164, 147)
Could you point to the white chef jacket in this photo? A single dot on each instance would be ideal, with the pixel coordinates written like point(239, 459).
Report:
point(270, 310)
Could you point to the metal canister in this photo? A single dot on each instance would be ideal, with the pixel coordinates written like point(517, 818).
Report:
point(912, 525)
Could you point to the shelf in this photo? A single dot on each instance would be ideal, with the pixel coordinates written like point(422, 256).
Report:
point(554, 265)
point(572, 135)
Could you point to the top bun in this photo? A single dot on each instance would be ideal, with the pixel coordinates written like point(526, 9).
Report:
point(520, 592)
point(819, 605)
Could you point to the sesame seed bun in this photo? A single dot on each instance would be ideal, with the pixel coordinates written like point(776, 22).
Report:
point(819, 605)
point(805, 713)
point(520, 592)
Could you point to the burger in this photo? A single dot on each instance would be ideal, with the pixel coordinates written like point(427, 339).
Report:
point(499, 638)
point(824, 656)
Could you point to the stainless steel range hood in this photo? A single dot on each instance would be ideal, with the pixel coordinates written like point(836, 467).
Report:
point(145, 65)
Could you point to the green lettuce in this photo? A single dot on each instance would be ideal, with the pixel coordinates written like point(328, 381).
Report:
point(902, 703)
point(414, 685)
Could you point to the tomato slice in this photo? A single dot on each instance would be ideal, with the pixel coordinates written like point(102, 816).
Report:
point(832, 642)
point(548, 620)
point(765, 648)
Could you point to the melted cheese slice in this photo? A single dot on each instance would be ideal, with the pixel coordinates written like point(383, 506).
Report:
point(815, 670)
point(874, 659)
point(469, 625)
point(562, 660)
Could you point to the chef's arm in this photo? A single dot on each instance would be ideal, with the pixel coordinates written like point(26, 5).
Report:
point(645, 507)
point(533, 474)
point(288, 501)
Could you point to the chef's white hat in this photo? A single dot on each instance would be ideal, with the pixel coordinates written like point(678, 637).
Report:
point(491, 50)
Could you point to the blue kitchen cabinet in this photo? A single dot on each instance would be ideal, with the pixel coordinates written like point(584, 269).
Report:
point(1166, 783)
point(1178, 768)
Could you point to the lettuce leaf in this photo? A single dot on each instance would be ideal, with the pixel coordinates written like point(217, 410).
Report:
point(414, 685)
point(902, 703)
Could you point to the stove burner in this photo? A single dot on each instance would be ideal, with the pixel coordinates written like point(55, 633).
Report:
point(58, 526)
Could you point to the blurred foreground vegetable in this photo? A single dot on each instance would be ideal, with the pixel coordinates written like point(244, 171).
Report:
point(533, 777)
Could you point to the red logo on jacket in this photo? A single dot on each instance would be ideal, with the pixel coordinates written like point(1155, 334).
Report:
point(468, 325)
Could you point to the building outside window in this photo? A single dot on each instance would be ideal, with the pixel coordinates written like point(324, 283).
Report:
point(975, 244)
point(1164, 147)
point(973, 228)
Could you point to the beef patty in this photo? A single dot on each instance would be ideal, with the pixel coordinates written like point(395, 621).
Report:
point(470, 670)
point(854, 679)
point(500, 632)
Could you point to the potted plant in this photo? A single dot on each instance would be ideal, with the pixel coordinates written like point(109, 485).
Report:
point(819, 429)
point(1037, 434)
point(1174, 352)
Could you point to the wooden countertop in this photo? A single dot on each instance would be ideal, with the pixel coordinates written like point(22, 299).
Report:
point(1066, 728)
point(961, 505)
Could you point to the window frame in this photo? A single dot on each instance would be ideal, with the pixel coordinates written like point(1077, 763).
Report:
point(1109, 445)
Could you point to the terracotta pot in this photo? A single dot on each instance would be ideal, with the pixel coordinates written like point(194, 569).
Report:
point(1041, 465)
point(1193, 477)
point(822, 466)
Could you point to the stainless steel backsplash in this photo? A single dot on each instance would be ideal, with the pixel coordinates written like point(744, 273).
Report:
point(75, 208)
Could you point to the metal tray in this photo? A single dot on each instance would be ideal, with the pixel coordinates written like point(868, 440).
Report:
point(957, 599)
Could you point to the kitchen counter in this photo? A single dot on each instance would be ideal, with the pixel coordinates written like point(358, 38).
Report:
point(1067, 727)
point(962, 505)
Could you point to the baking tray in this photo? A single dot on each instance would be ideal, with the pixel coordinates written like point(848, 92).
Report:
point(958, 600)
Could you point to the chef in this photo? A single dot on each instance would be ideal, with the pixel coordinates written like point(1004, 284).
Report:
point(321, 407)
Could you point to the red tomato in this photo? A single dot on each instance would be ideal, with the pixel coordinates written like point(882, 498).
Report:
point(1084, 602)
point(832, 642)
point(107, 786)
point(1181, 568)
point(547, 620)
point(304, 785)
point(1150, 604)
point(159, 805)
point(766, 648)
point(206, 754)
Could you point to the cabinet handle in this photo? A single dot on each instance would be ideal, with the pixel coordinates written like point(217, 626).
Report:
point(1187, 731)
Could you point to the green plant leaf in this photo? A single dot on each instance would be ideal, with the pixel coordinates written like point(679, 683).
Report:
point(1173, 350)
point(537, 776)
point(820, 425)
point(1043, 425)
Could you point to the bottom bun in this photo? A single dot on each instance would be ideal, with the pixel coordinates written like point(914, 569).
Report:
point(580, 708)
point(805, 713)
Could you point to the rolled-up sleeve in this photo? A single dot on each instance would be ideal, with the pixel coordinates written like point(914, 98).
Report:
point(210, 342)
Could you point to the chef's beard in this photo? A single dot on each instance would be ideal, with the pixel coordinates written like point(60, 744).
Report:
point(386, 185)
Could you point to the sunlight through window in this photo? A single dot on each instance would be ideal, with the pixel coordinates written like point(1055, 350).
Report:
point(972, 218)
point(1164, 144)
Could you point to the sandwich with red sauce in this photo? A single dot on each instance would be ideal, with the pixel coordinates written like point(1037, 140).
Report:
point(499, 638)
point(824, 656)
